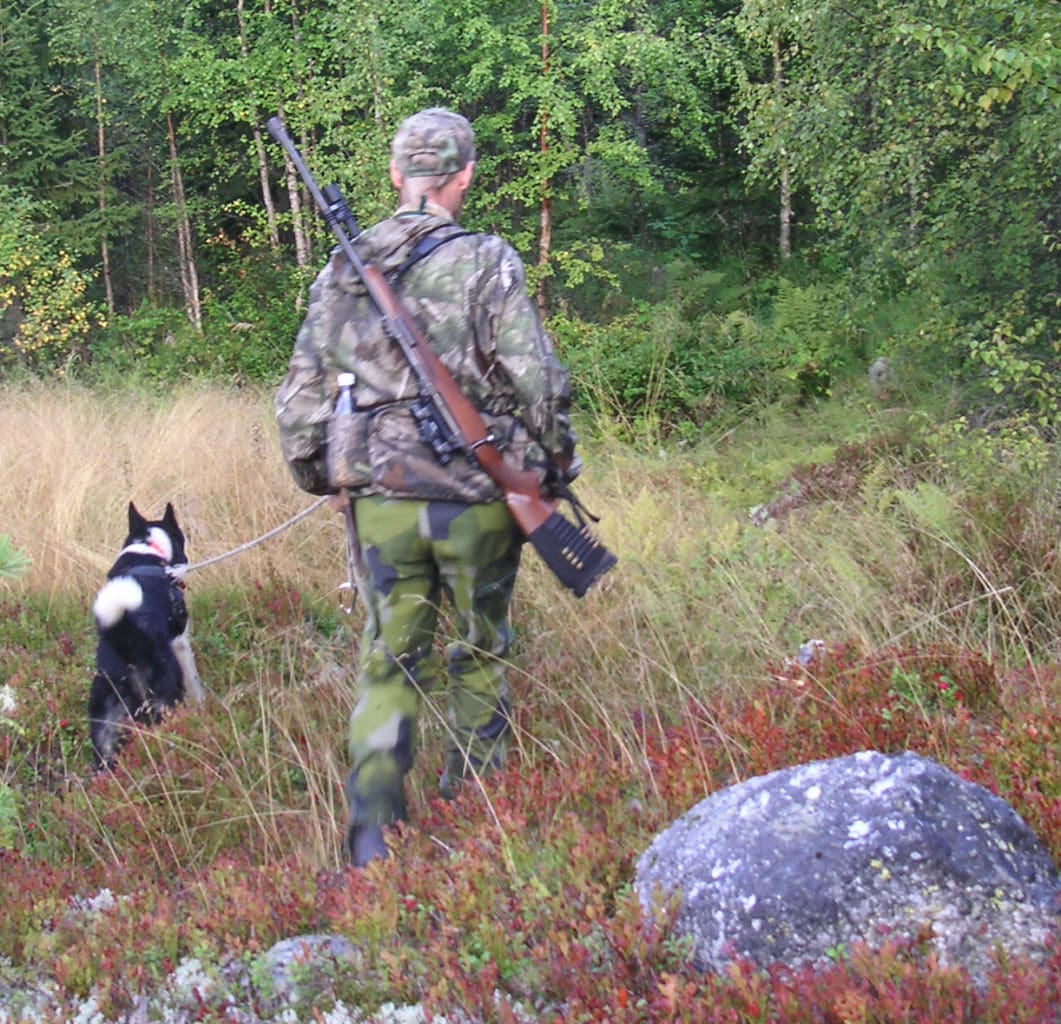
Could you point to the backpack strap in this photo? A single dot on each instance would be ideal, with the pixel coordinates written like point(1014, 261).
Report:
point(424, 247)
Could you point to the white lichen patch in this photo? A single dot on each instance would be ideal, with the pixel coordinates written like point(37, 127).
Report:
point(103, 901)
point(858, 830)
point(8, 701)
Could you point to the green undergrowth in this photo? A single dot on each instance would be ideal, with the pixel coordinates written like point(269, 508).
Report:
point(934, 589)
point(522, 887)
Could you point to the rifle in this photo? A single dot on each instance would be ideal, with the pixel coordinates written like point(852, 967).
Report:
point(449, 422)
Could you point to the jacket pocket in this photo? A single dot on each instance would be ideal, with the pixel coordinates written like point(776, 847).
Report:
point(347, 450)
point(404, 466)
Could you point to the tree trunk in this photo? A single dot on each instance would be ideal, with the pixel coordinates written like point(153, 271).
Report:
point(638, 111)
point(376, 74)
point(785, 232)
point(545, 209)
point(297, 196)
point(785, 174)
point(149, 234)
point(101, 156)
point(185, 250)
point(913, 191)
point(259, 144)
point(303, 250)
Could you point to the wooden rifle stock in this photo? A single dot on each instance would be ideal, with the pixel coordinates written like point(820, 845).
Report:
point(574, 555)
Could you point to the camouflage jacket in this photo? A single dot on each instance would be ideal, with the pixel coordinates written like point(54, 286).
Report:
point(469, 298)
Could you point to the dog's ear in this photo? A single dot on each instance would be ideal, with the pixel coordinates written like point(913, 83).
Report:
point(169, 518)
point(137, 523)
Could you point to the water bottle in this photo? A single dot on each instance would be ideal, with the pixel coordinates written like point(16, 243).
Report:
point(344, 404)
point(346, 444)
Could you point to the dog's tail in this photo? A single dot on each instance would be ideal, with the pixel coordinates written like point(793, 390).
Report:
point(116, 598)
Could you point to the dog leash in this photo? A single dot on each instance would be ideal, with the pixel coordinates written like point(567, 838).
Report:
point(265, 536)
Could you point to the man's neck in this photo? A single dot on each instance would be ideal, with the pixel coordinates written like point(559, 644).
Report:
point(424, 208)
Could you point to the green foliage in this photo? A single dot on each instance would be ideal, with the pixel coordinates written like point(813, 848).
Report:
point(711, 345)
point(1019, 358)
point(38, 150)
point(252, 317)
point(809, 338)
point(46, 316)
point(919, 148)
point(911, 692)
point(1001, 457)
point(926, 140)
point(9, 810)
point(139, 346)
point(653, 371)
point(250, 324)
point(1026, 59)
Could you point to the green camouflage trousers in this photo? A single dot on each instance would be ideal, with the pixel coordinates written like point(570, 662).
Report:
point(414, 552)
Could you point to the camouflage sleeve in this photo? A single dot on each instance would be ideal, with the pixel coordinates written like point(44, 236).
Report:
point(525, 353)
point(303, 401)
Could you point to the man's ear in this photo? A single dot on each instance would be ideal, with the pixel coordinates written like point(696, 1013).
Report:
point(397, 179)
point(465, 175)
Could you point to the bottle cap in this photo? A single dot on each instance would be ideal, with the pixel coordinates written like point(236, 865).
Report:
point(346, 380)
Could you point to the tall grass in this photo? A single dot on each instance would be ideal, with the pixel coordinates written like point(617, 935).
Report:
point(74, 458)
point(878, 552)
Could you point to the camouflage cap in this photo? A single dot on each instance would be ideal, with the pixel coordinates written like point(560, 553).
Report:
point(433, 141)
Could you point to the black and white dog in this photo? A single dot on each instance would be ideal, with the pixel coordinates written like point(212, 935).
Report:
point(144, 660)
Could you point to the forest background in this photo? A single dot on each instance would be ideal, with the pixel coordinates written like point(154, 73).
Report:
point(718, 202)
point(729, 212)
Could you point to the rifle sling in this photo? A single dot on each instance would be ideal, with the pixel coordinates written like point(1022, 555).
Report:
point(424, 247)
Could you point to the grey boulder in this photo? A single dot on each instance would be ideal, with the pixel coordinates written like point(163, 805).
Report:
point(796, 866)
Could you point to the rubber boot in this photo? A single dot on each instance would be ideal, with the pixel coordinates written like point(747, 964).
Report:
point(365, 843)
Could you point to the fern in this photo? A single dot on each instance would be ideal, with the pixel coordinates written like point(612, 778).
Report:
point(13, 561)
point(806, 336)
point(930, 508)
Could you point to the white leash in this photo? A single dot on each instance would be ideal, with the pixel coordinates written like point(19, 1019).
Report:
point(265, 536)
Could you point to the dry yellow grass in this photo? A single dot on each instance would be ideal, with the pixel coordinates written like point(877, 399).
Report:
point(74, 458)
